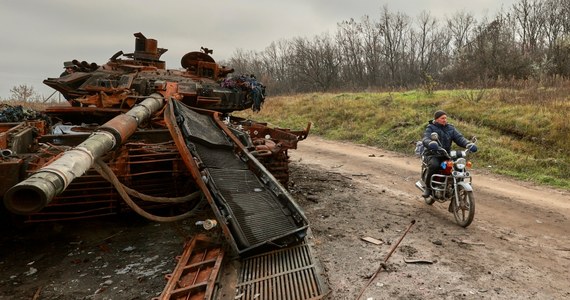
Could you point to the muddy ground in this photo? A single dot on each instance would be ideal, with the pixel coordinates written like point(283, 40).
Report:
point(518, 246)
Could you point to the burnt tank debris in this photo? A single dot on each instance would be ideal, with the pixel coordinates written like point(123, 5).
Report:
point(138, 137)
point(163, 143)
point(141, 137)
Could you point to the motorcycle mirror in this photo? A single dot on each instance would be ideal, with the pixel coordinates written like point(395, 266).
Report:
point(434, 136)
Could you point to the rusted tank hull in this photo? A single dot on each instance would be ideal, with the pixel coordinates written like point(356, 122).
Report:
point(148, 161)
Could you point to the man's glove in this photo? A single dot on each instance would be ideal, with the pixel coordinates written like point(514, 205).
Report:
point(472, 147)
point(433, 145)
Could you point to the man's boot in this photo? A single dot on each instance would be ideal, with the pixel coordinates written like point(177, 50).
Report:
point(427, 189)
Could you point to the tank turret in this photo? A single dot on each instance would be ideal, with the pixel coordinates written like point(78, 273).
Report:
point(128, 77)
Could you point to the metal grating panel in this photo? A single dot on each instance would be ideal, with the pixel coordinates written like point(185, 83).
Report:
point(260, 214)
point(289, 273)
point(219, 158)
point(256, 211)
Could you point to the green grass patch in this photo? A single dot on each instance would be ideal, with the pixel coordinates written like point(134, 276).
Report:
point(523, 134)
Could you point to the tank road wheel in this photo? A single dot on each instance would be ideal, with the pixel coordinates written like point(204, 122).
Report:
point(465, 212)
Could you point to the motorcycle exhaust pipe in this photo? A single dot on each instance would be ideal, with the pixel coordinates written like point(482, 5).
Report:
point(420, 185)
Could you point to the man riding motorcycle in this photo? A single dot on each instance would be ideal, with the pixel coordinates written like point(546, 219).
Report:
point(446, 134)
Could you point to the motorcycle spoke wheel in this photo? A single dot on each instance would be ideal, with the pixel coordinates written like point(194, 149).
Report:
point(465, 212)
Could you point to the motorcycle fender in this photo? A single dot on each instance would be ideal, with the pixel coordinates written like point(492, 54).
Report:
point(466, 186)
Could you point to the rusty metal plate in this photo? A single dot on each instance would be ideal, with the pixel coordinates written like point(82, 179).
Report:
point(194, 276)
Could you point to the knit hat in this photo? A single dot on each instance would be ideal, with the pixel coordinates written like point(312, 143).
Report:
point(438, 114)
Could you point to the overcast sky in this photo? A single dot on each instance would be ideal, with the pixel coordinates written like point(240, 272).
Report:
point(38, 35)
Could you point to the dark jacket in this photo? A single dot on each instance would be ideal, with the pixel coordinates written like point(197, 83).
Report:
point(447, 134)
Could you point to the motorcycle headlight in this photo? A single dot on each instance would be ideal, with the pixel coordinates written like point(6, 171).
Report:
point(457, 154)
point(460, 163)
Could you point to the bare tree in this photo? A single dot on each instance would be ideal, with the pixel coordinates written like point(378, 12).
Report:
point(351, 51)
point(394, 28)
point(372, 51)
point(276, 60)
point(242, 60)
point(565, 13)
point(530, 18)
point(461, 25)
point(554, 21)
point(23, 93)
point(427, 39)
point(316, 62)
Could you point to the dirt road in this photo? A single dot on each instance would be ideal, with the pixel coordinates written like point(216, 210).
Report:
point(518, 247)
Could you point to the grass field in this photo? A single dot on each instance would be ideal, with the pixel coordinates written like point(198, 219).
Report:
point(523, 133)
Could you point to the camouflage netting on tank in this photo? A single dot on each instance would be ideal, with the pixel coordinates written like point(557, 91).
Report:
point(9, 113)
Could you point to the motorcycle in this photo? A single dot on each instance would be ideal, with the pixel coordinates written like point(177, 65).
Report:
point(452, 183)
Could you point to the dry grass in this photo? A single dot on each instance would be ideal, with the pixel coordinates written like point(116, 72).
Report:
point(30, 105)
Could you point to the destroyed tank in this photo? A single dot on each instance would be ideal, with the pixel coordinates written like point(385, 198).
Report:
point(139, 137)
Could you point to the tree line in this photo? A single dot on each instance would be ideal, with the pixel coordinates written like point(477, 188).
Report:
point(530, 40)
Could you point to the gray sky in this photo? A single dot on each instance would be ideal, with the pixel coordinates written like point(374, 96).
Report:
point(38, 35)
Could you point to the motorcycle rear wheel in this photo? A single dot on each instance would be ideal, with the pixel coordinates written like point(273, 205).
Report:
point(465, 213)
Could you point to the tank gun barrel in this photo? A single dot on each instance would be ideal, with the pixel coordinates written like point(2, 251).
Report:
point(5, 153)
point(35, 192)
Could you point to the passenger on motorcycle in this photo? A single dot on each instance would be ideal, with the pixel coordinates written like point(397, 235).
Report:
point(447, 134)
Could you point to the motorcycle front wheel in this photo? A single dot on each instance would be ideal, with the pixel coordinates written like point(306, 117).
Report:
point(429, 200)
point(465, 212)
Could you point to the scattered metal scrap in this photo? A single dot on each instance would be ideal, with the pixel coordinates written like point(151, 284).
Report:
point(372, 240)
point(383, 264)
point(195, 275)
point(459, 241)
point(417, 261)
point(159, 142)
